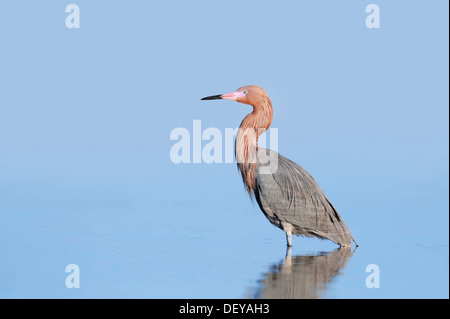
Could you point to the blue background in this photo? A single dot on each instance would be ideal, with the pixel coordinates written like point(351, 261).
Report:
point(86, 115)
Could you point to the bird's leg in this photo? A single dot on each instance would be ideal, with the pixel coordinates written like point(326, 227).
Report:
point(288, 229)
point(288, 252)
point(289, 239)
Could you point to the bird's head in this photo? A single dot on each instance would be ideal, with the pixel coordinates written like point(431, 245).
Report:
point(249, 94)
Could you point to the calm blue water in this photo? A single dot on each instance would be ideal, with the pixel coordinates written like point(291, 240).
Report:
point(131, 244)
point(86, 176)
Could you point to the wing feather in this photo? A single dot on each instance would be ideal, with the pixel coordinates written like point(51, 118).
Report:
point(290, 195)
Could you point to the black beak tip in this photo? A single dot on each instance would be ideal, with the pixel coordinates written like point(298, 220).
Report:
point(213, 97)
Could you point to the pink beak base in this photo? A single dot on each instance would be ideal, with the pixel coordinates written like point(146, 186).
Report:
point(232, 96)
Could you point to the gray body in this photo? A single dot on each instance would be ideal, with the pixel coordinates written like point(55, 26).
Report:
point(291, 200)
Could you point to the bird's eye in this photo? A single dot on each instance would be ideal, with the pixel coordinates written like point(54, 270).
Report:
point(245, 92)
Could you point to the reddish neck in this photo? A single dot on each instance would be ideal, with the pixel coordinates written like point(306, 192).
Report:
point(246, 147)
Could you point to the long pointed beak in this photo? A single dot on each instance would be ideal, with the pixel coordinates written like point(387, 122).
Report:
point(213, 97)
point(228, 96)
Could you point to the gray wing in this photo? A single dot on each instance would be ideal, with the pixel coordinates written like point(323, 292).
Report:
point(287, 193)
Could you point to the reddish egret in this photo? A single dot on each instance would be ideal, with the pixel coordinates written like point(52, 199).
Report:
point(286, 193)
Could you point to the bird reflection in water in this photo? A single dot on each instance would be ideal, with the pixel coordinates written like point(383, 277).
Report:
point(302, 276)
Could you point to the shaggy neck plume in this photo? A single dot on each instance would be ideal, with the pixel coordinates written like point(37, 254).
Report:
point(246, 147)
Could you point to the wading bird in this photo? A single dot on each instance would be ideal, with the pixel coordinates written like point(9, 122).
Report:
point(286, 193)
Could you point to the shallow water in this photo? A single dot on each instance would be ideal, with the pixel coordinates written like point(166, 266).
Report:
point(130, 246)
